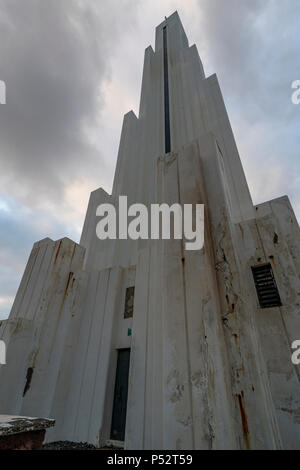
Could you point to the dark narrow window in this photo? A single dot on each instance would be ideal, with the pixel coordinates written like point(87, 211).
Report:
point(118, 422)
point(129, 300)
point(266, 287)
point(166, 93)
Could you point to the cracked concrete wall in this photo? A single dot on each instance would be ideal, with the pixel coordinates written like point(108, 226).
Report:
point(202, 347)
point(36, 329)
point(278, 234)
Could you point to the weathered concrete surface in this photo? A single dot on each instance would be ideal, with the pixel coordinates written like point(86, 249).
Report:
point(209, 368)
point(10, 424)
point(22, 433)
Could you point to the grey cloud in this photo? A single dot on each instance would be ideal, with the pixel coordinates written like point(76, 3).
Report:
point(253, 46)
point(53, 59)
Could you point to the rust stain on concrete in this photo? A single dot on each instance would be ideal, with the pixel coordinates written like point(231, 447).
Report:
point(67, 286)
point(57, 252)
point(244, 419)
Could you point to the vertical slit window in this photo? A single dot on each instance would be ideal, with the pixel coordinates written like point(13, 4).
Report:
point(166, 93)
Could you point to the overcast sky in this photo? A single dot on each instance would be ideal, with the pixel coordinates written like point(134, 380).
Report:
point(73, 68)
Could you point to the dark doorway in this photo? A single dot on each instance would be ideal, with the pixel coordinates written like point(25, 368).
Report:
point(120, 397)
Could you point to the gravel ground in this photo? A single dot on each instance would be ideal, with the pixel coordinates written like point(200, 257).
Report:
point(66, 445)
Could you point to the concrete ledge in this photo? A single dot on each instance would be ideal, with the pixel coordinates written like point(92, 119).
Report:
point(22, 433)
point(10, 424)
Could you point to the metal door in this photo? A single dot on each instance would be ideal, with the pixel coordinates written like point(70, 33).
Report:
point(120, 396)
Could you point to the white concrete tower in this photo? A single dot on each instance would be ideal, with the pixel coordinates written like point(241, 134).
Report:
point(142, 341)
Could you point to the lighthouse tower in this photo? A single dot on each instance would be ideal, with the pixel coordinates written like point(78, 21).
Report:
point(145, 344)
